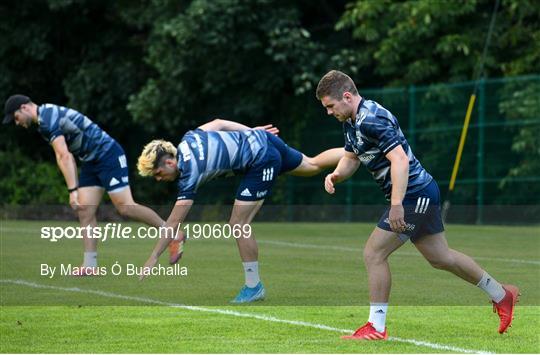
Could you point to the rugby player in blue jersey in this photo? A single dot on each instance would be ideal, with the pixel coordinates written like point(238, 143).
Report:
point(374, 139)
point(221, 148)
point(103, 166)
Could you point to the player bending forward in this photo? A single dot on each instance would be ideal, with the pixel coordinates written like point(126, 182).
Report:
point(373, 138)
point(104, 166)
point(220, 148)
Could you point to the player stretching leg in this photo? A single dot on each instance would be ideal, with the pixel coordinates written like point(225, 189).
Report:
point(104, 165)
point(373, 138)
point(220, 148)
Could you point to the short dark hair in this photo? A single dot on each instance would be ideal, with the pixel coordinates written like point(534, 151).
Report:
point(334, 84)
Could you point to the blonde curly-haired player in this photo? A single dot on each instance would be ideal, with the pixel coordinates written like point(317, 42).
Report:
point(221, 148)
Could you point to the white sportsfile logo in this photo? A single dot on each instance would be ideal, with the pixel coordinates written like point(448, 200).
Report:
point(246, 193)
point(421, 205)
point(268, 174)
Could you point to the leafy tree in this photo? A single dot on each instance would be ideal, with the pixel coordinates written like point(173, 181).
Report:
point(241, 59)
point(75, 53)
point(156, 68)
point(423, 42)
point(177, 64)
point(415, 42)
point(251, 61)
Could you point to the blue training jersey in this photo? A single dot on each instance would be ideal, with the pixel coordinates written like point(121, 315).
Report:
point(374, 133)
point(205, 155)
point(83, 137)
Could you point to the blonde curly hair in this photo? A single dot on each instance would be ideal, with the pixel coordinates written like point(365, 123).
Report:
point(152, 153)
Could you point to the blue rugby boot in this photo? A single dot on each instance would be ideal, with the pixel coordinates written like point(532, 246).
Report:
point(250, 294)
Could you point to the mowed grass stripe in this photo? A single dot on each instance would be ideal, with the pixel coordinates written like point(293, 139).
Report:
point(323, 247)
point(327, 287)
point(314, 276)
point(439, 347)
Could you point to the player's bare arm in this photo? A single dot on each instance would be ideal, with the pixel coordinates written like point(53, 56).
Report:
point(177, 216)
point(346, 167)
point(68, 167)
point(399, 172)
point(226, 125)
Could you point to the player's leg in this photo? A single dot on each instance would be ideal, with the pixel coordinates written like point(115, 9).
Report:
point(127, 207)
point(295, 163)
point(242, 214)
point(430, 240)
point(311, 166)
point(122, 200)
point(90, 193)
point(382, 242)
point(89, 200)
point(380, 245)
point(429, 237)
point(434, 248)
point(253, 189)
point(113, 175)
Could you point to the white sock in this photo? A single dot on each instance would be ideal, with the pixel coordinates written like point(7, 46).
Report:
point(251, 272)
point(90, 259)
point(377, 315)
point(491, 287)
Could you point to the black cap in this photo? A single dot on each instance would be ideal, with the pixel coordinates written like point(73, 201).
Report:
point(13, 103)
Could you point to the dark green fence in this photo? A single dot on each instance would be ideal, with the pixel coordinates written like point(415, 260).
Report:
point(499, 176)
point(501, 158)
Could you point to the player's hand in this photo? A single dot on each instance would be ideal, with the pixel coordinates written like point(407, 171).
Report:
point(269, 128)
point(330, 181)
point(150, 263)
point(396, 218)
point(74, 200)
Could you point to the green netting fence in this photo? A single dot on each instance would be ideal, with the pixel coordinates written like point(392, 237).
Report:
point(501, 159)
point(499, 176)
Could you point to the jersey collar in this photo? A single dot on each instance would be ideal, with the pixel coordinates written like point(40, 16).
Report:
point(357, 116)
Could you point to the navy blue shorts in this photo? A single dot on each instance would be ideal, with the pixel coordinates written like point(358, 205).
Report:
point(259, 179)
point(109, 171)
point(422, 213)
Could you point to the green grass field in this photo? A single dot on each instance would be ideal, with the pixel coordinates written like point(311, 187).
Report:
point(316, 291)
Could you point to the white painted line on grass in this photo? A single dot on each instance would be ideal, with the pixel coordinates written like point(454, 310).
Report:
point(398, 253)
point(237, 314)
